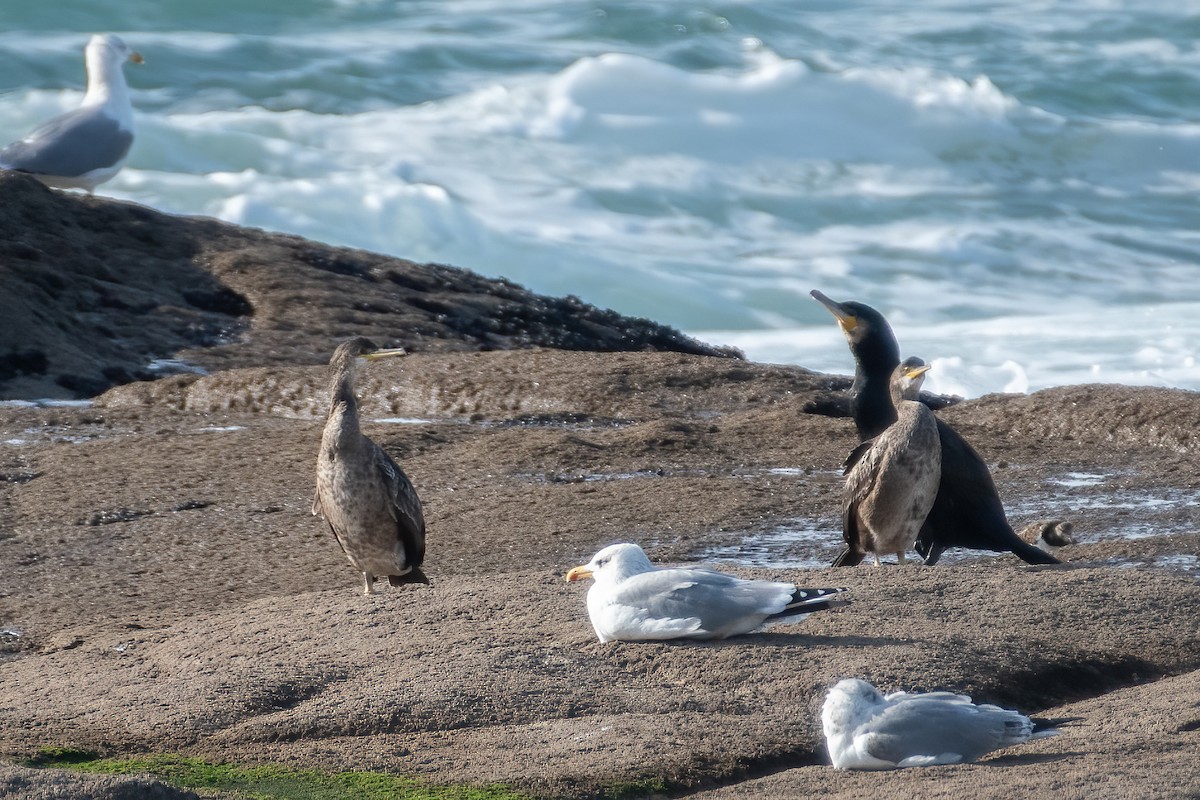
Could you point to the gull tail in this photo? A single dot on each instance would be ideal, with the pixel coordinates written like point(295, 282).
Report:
point(1043, 727)
point(806, 601)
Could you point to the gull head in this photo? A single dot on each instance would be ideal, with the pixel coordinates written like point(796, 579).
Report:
point(847, 703)
point(112, 49)
point(613, 564)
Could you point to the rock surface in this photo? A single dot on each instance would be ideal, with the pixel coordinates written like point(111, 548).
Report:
point(166, 588)
point(95, 293)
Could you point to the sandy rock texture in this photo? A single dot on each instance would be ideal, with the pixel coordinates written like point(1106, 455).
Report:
point(165, 587)
point(20, 783)
point(171, 592)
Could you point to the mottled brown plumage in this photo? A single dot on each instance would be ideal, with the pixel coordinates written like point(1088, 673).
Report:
point(892, 485)
point(1049, 534)
point(362, 493)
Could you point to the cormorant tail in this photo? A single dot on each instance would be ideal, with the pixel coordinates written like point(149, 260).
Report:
point(1030, 554)
point(848, 558)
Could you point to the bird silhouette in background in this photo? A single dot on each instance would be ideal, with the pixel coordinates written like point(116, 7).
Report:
point(87, 146)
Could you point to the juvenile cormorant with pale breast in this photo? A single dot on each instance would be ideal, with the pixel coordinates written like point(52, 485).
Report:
point(967, 512)
point(366, 498)
point(894, 479)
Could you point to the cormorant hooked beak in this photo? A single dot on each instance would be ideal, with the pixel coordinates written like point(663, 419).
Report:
point(846, 320)
point(915, 372)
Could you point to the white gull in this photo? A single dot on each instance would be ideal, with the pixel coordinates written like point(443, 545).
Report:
point(632, 600)
point(866, 730)
point(87, 146)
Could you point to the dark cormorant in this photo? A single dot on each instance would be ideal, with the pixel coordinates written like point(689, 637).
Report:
point(967, 512)
point(877, 356)
point(368, 501)
point(892, 484)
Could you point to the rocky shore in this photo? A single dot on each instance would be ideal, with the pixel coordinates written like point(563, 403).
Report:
point(167, 590)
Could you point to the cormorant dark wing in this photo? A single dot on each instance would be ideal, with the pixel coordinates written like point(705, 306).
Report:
point(856, 455)
point(405, 507)
point(968, 512)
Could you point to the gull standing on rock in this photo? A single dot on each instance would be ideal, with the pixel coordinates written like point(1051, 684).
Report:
point(865, 730)
point(82, 149)
point(366, 498)
point(632, 600)
point(894, 478)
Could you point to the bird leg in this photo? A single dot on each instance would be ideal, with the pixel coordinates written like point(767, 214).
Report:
point(878, 563)
point(900, 558)
point(368, 584)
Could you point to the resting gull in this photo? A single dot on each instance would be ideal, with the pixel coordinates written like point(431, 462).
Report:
point(82, 149)
point(866, 730)
point(632, 600)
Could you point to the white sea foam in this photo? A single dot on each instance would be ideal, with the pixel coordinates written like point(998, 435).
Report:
point(1012, 185)
point(1009, 353)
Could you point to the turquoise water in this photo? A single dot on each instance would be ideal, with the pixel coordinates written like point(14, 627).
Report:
point(1013, 183)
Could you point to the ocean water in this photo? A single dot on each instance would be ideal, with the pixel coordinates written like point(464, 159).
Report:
point(1014, 184)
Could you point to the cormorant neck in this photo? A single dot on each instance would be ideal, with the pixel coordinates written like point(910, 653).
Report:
point(341, 426)
point(873, 411)
point(872, 404)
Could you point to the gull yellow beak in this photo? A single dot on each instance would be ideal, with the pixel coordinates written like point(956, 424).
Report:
point(845, 319)
point(917, 372)
point(378, 354)
point(136, 57)
point(579, 573)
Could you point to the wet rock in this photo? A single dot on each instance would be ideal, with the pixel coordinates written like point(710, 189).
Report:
point(92, 291)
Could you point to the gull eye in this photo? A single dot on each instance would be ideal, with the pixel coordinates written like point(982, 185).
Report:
point(602, 562)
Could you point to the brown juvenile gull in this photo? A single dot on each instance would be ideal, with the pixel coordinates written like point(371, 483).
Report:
point(83, 148)
point(894, 480)
point(366, 498)
point(632, 600)
point(866, 730)
point(1049, 534)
